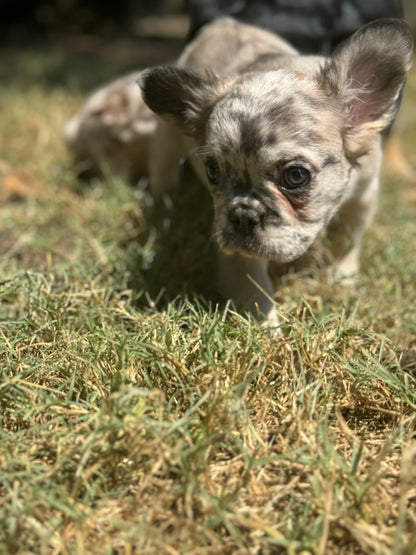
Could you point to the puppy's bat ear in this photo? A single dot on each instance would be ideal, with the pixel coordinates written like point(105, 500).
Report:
point(181, 96)
point(367, 73)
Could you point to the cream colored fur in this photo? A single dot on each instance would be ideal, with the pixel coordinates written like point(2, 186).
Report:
point(289, 146)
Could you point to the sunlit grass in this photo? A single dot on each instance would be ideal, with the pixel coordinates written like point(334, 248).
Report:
point(137, 416)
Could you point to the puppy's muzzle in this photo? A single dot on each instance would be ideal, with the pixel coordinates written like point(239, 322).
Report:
point(245, 215)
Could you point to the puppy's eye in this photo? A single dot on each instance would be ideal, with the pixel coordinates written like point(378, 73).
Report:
point(295, 177)
point(213, 170)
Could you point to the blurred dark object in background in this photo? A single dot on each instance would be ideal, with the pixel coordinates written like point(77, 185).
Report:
point(22, 18)
point(311, 26)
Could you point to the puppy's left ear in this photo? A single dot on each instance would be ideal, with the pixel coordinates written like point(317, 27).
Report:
point(181, 96)
point(367, 73)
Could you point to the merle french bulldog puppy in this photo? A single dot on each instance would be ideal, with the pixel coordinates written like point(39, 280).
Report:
point(288, 145)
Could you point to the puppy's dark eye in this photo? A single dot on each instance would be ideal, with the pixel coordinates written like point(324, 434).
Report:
point(295, 177)
point(213, 170)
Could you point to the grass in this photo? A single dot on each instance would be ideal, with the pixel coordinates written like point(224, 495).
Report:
point(138, 416)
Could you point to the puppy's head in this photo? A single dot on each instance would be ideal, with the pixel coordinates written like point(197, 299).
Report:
point(278, 146)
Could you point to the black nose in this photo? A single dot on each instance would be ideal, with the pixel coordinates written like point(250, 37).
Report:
point(245, 218)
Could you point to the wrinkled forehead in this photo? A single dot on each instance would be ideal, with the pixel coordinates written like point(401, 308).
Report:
point(270, 110)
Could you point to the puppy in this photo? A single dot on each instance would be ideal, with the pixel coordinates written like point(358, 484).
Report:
point(111, 132)
point(288, 145)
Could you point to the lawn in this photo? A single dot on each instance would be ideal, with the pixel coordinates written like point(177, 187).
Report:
point(137, 415)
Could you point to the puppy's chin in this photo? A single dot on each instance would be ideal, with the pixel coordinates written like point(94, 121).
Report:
point(280, 244)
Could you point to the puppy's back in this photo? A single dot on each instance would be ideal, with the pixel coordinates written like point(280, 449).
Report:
point(228, 47)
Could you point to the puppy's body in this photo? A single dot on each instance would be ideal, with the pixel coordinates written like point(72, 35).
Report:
point(111, 131)
point(287, 145)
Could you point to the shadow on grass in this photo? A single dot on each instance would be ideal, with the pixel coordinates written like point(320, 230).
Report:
point(177, 254)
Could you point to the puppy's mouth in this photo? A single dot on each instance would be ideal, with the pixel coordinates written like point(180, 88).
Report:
point(247, 244)
point(260, 234)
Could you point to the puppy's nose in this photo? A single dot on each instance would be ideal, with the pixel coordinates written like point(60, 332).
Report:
point(245, 218)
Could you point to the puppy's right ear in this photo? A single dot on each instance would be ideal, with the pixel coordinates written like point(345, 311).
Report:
point(181, 96)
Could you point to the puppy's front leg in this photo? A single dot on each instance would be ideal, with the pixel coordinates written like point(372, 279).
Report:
point(246, 281)
point(167, 147)
point(346, 231)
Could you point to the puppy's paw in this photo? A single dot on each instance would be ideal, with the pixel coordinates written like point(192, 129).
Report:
point(346, 270)
point(270, 321)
